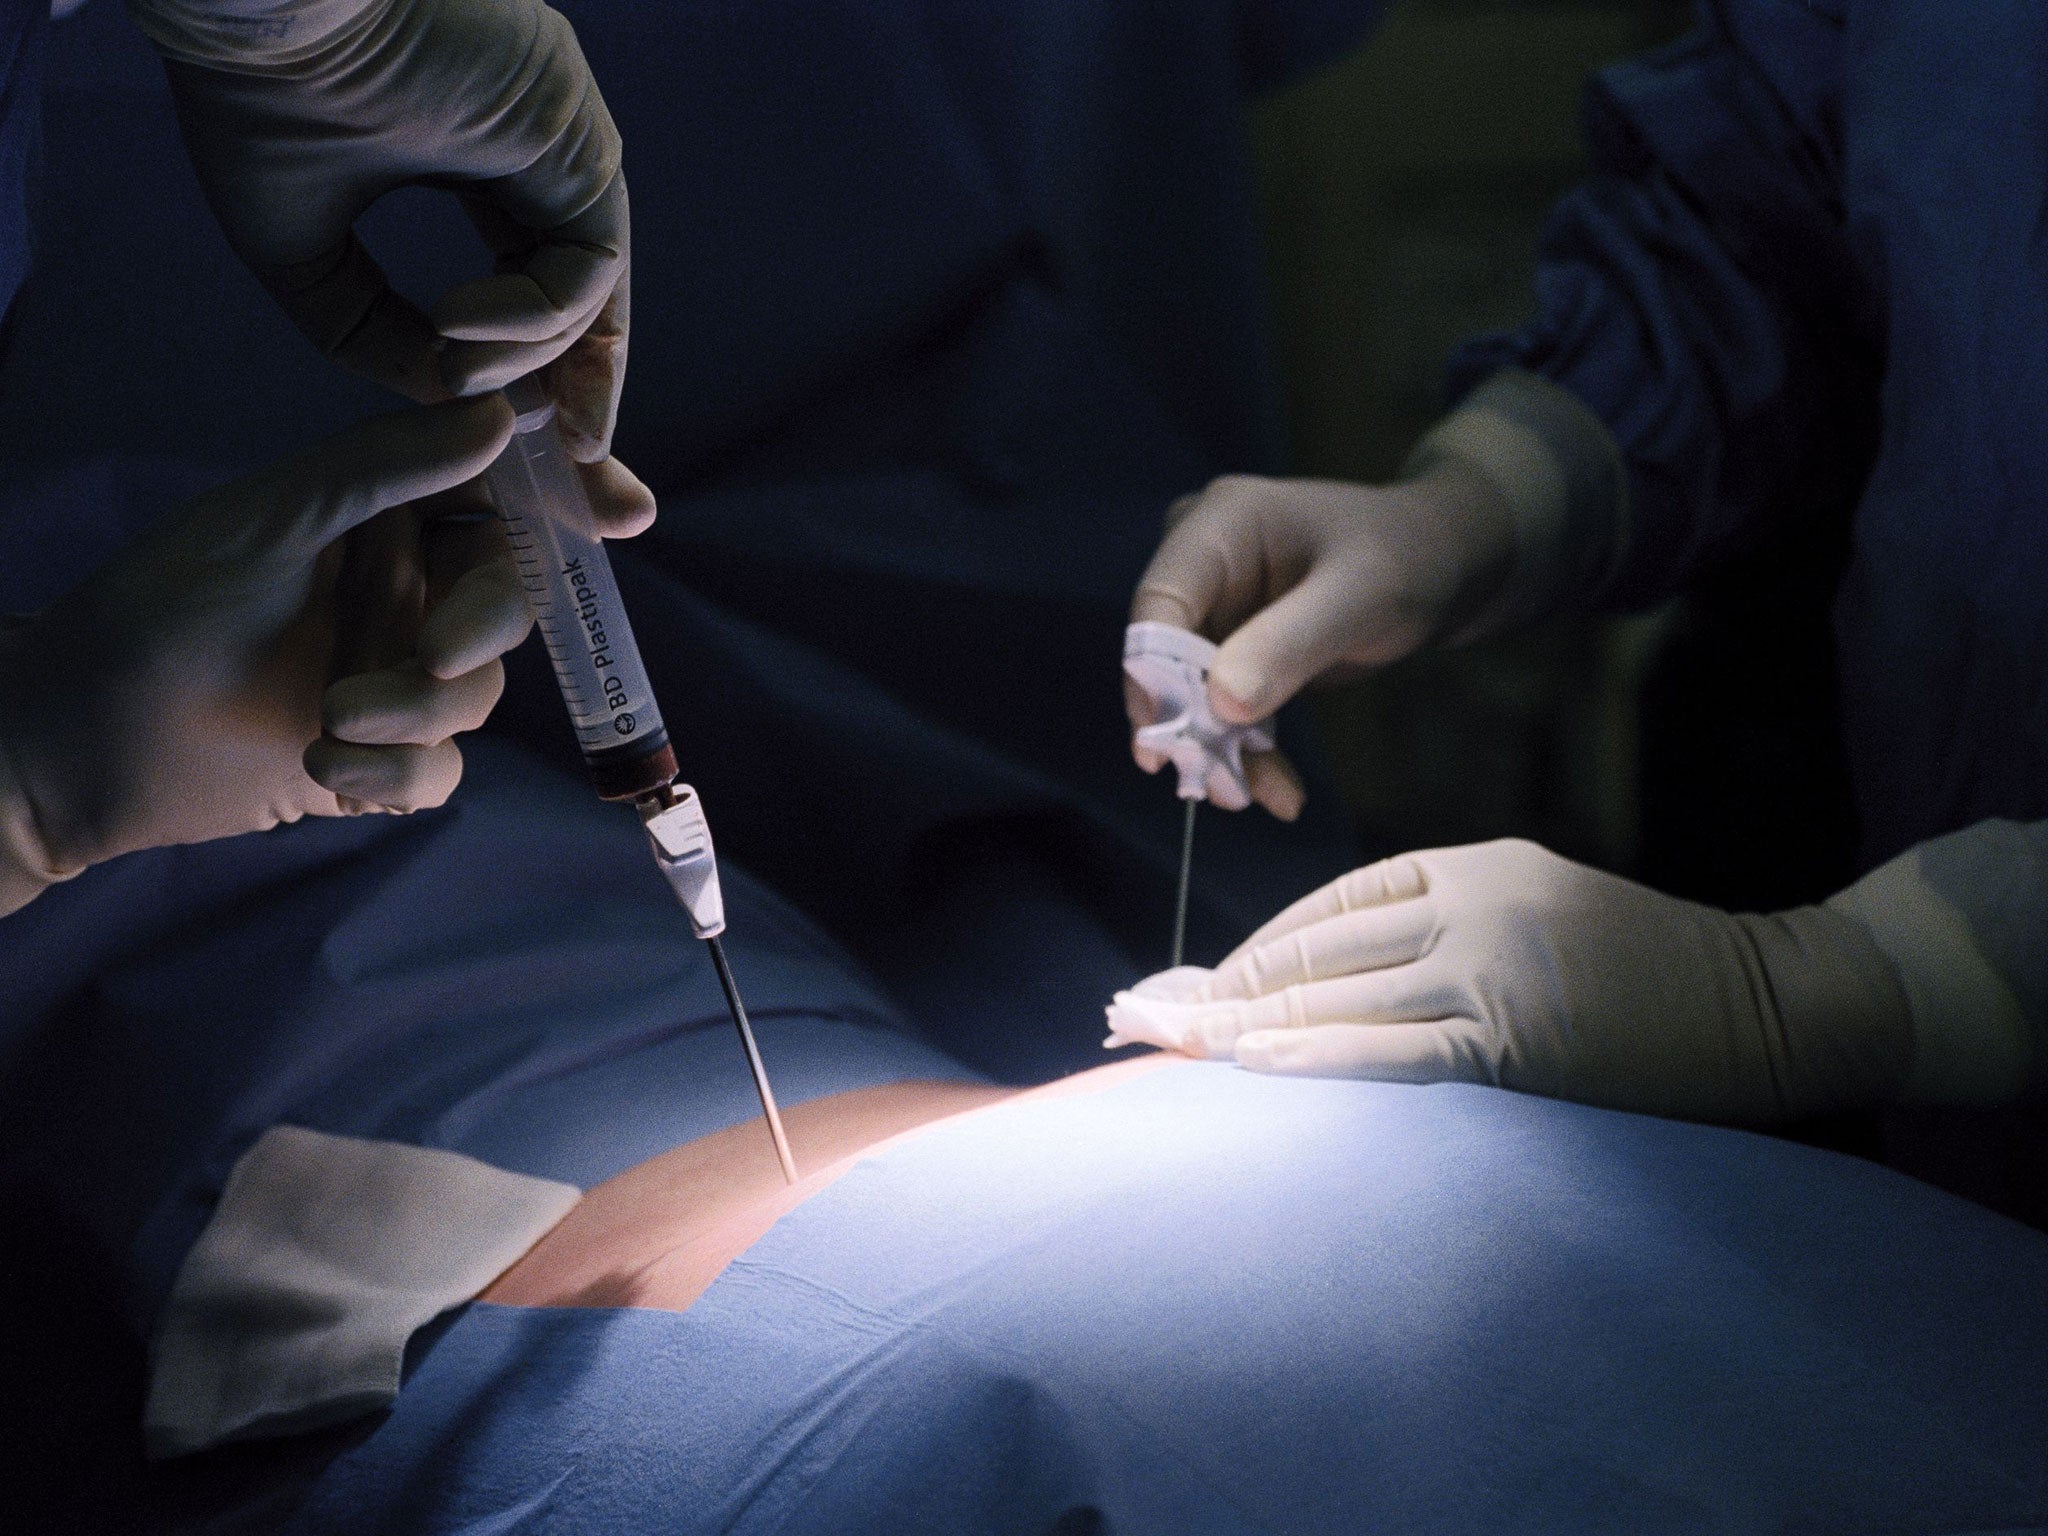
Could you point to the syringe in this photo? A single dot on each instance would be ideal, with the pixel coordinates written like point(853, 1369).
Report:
point(575, 601)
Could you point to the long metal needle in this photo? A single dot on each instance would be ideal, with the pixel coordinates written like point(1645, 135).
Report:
point(739, 1018)
point(1187, 864)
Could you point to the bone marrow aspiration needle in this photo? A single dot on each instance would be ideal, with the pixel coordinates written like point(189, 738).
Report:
point(1171, 666)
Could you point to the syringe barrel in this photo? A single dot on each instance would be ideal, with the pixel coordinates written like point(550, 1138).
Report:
point(575, 601)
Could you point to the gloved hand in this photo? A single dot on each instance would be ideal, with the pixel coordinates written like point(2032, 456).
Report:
point(284, 647)
point(1513, 504)
point(1299, 578)
point(299, 114)
point(1502, 963)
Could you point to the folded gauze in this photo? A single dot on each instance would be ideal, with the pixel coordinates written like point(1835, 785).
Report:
point(1161, 1010)
point(323, 1257)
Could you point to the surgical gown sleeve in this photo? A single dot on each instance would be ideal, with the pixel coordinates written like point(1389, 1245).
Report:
point(1698, 295)
point(1964, 918)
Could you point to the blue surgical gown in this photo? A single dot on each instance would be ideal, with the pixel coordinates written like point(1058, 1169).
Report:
point(1808, 278)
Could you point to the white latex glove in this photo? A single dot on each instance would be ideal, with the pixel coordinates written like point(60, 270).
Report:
point(299, 114)
point(1300, 578)
point(1512, 505)
point(1502, 963)
point(278, 649)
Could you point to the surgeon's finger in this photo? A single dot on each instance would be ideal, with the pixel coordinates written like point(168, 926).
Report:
point(314, 498)
point(1283, 647)
point(1141, 710)
point(1403, 994)
point(1274, 783)
point(619, 500)
point(474, 367)
point(407, 705)
point(1200, 572)
point(558, 302)
point(1401, 878)
point(343, 303)
point(391, 778)
point(1439, 1051)
point(484, 615)
point(1367, 940)
point(585, 382)
point(558, 288)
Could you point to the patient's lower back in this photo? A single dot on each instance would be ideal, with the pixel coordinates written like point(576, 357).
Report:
point(658, 1234)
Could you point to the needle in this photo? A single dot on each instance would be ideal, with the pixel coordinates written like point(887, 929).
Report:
point(739, 1018)
point(1187, 863)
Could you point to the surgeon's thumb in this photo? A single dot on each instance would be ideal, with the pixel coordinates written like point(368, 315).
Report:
point(384, 462)
point(1274, 654)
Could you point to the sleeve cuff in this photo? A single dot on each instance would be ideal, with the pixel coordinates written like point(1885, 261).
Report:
point(1561, 473)
point(1972, 1044)
point(324, 1256)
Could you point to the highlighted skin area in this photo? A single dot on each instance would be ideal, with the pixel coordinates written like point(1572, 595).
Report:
point(658, 1234)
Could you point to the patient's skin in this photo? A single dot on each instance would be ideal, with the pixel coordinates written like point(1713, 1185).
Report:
point(658, 1234)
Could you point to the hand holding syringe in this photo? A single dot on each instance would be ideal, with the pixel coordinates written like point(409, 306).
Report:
point(569, 584)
